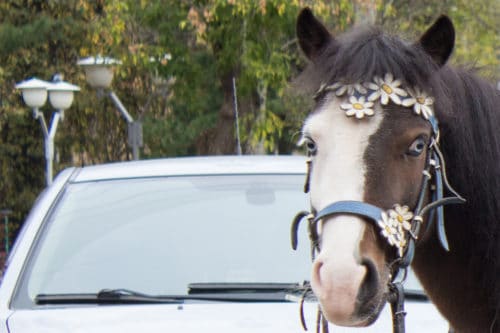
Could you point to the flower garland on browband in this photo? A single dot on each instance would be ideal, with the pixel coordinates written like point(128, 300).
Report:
point(363, 96)
point(394, 223)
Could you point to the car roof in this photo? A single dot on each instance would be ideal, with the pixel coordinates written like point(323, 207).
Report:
point(192, 166)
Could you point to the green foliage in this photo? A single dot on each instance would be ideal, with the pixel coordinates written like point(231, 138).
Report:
point(476, 25)
point(478, 38)
point(40, 38)
point(254, 42)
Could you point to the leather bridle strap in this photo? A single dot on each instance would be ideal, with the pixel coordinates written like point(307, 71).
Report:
point(359, 208)
point(397, 300)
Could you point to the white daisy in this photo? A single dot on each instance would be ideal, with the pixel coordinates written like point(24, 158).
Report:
point(341, 89)
point(319, 91)
point(401, 217)
point(421, 102)
point(358, 107)
point(385, 89)
point(387, 229)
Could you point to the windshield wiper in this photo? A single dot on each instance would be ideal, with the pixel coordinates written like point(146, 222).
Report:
point(234, 292)
point(267, 291)
point(228, 287)
point(245, 292)
point(105, 296)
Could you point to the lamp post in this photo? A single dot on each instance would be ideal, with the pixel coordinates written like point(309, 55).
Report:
point(60, 93)
point(99, 74)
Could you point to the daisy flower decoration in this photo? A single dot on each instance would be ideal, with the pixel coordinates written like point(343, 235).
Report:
point(387, 229)
point(386, 88)
point(341, 89)
point(421, 102)
point(358, 107)
point(400, 244)
point(320, 90)
point(401, 217)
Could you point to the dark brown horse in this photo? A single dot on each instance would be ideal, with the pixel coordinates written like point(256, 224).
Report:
point(383, 107)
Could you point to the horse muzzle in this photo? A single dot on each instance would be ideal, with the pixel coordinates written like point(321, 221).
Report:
point(346, 280)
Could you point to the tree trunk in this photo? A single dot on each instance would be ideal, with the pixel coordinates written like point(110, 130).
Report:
point(221, 140)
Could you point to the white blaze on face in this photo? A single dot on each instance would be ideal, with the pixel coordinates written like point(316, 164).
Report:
point(338, 173)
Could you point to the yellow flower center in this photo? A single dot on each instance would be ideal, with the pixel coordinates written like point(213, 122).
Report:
point(386, 88)
point(400, 218)
point(421, 100)
point(358, 106)
point(388, 229)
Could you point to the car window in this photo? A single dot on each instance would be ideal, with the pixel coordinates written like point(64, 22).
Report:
point(158, 235)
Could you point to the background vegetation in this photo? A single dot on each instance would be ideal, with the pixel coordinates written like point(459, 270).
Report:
point(179, 60)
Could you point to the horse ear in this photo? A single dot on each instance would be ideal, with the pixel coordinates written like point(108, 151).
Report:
point(439, 39)
point(311, 33)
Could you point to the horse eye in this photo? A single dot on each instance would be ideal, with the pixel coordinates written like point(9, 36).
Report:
point(417, 147)
point(311, 146)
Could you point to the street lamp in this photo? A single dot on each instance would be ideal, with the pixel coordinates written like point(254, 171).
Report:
point(60, 93)
point(99, 74)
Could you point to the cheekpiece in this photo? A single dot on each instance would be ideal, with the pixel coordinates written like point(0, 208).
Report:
point(362, 96)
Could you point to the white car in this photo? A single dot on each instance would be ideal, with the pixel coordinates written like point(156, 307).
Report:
point(174, 245)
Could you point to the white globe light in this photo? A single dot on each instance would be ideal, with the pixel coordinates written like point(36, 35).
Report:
point(35, 98)
point(61, 94)
point(99, 76)
point(34, 92)
point(98, 70)
point(61, 100)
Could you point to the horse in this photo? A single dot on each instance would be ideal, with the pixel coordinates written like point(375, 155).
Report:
point(397, 140)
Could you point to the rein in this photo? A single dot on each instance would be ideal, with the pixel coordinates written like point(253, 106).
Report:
point(434, 180)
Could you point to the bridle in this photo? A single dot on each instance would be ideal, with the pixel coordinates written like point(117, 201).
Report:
point(434, 181)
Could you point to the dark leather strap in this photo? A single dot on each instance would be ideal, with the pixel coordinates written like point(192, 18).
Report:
point(295, 228)
point(351, 207)
point(397, 300)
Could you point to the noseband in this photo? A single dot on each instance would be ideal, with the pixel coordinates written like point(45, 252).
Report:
point(398, 226)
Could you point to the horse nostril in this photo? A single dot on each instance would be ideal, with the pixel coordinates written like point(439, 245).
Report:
point(369, 300)
point(370, 283)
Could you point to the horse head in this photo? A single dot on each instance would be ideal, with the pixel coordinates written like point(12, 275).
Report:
point(369, 139)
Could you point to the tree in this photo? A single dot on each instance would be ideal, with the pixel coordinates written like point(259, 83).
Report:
point(249, 41)
point(478, 35)
point(40, 38)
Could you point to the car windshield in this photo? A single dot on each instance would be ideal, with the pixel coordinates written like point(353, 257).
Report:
point(159, 235)
point(163, 235)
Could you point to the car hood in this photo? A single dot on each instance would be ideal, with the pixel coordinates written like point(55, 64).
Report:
point(203, 317)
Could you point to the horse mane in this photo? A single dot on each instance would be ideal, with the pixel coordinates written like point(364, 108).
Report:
point(362, 54)
point(471, 144)
point(468, 110)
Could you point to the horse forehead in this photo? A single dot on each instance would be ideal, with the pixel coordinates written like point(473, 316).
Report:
point(339, 166)
point(330, 125)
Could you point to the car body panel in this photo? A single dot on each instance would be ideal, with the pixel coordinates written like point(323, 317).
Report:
point(196, 317)
point(189, 166)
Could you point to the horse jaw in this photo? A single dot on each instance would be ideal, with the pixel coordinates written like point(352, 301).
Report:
point(342, 268)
